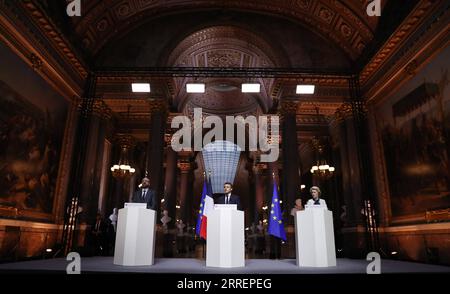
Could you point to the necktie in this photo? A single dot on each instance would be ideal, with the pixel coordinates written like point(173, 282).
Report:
point(143, 194)
point(228, 199)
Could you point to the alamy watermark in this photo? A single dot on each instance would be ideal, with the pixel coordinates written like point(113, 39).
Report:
point(74, 8)
point(374, 267)
point(374, 8)
point(263, 133)
point(74, 266)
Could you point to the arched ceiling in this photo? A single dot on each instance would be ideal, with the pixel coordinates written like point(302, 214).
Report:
point(223, 47)
point(345, 23)
point(292, 44)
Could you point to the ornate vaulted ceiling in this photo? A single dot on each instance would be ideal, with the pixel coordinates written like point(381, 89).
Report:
point(223, 47)
point(308, 34)
point(345, 23)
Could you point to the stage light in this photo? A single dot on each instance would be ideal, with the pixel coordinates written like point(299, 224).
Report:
point(195, 88)
point(140, 87)
point(281, 201)
point(305, 89)
point(302, 186)
point(162, 200)
point(48, 250)
point(394, 252)
point(251, 88)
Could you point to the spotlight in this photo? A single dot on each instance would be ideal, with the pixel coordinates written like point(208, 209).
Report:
point(140, 87)
point(251, 88)
point(305, 89)
point(195, 88)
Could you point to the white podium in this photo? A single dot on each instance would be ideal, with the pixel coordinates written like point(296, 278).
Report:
point(135, 236)
point(314, 237)
point(225, 237)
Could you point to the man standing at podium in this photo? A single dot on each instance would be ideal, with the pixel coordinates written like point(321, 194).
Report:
point(228, 197)
point(315, 193)
point(145, 194)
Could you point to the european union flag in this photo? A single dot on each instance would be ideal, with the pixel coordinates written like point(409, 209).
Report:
point(276, 226)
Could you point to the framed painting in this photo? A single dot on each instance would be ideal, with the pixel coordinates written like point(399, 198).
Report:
point(30, 135)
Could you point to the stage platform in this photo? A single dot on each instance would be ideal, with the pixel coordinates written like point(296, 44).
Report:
point(197, 266)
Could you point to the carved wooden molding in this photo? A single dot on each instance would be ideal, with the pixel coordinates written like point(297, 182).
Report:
point(38, 50)
point(52, 33)
point(288, 107)
point(184, 166)
point(397, 52)
point(413, 59)
point(158, 106)
point(345, 23)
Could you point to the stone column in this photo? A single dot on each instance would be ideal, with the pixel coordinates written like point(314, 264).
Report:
point(250, 211)
point(170, 180)
point(92, 170)
point(186, 167)
point(258, 171)
point(104, 150)
point(158, 115)
point(291, 178)
point(350, 165)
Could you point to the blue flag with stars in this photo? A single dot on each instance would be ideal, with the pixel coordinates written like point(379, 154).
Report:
point(276, 226)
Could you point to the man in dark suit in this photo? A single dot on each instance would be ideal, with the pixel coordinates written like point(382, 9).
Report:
point(145, 194)
point(228, 197)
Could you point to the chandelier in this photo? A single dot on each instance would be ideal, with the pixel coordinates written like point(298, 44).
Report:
point(322, 169)
point(123, 169)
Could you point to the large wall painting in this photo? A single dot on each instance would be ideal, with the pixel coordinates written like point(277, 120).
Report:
point(415, 131)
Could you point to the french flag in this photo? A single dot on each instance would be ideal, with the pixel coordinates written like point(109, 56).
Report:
point(206, 205)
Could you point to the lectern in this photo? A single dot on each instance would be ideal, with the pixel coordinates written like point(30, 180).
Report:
point(314, 236)
point(135, 236)
point(225, 237)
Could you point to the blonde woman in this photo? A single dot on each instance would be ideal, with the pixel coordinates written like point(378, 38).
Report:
point(315, 193)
